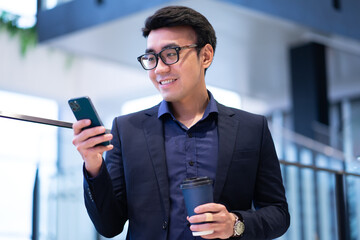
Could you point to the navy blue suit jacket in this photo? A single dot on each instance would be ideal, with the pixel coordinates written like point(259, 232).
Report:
point(133, 185)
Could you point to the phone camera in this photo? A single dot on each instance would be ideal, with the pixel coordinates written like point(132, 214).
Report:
point(75, 106)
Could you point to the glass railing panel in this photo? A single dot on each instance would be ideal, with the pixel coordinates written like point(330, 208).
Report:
point(310, 193)
point(24, 147)
point(72, 221)
point(353, 193)
point(326, 200)
point(16, 183)
point(308, 204)
point(311, 199)
point(291, 176)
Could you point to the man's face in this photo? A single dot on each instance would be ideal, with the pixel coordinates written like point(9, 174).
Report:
point(184, 79)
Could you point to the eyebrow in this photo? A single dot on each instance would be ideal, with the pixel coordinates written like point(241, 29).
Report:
point(150, 50)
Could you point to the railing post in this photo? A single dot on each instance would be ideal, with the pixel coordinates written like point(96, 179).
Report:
point(35, 208)
point(341, 208)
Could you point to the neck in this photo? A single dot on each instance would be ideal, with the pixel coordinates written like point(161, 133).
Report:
point(191, 111)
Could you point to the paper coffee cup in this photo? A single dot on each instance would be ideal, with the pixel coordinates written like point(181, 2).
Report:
point(197, 191)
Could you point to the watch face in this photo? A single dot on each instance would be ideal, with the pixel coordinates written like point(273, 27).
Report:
point(239, 228)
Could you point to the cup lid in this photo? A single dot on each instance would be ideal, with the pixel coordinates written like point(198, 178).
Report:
point(195, 181)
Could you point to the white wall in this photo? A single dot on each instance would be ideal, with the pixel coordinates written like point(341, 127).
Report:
point(58, 75)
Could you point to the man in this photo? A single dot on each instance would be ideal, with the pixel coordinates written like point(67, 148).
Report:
point(188, 134)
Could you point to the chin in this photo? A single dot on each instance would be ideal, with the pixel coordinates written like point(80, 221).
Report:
point(169, 98)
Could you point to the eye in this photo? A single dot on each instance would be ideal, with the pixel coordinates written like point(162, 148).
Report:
point(149, 58)
point(170, 54)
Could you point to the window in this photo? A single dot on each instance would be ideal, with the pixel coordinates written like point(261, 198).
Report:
point(24, 148)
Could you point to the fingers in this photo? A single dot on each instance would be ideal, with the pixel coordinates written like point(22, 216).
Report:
point(79, 125)
point(220, 227)
point(209, 207)
point(207, 213)
point(204, 217)
point(89, 137)
point(209, 217)
point(204, 228)
point(86, 140)
point(212, 216)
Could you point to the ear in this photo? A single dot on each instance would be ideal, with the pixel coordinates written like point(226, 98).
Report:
point(207, 53)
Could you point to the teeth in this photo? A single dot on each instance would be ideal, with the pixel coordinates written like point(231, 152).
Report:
point(167, 81)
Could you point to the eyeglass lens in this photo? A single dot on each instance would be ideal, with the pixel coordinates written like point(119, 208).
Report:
point(168, 56)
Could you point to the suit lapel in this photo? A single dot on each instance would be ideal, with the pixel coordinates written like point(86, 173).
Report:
point(153, 129)
point(227, 130)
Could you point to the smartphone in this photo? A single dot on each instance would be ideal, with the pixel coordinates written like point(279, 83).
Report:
point(83, 108)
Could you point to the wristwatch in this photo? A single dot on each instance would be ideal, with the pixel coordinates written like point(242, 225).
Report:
point(239, 226)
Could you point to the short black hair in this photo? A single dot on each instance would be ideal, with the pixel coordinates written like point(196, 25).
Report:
point(172, 16)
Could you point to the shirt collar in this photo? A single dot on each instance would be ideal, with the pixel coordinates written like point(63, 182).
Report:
point(164, 108)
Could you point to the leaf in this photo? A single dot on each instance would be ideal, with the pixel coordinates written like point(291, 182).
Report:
point(27, 36)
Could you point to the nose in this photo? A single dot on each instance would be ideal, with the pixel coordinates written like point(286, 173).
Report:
point(161, 67)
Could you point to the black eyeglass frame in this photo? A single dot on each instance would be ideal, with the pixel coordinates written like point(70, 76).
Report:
point(158, 55)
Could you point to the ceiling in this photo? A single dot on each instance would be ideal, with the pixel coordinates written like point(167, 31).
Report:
point(251, 57)
point(121, 40)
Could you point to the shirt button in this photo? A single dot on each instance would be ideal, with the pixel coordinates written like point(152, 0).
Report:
point(164, 225)
point(191, 163)
point(189, 135)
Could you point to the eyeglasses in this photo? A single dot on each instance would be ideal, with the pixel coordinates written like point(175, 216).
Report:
point(168, 55)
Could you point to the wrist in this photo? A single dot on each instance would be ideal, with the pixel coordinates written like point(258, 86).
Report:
point(93, 169)
point(239, 226)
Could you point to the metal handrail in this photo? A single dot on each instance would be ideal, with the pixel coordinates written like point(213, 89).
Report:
point(40, 120)
point(33, 119)
point(316, 168)
point(309, 143)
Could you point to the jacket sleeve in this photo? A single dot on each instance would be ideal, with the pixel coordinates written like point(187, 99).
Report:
point(269, 217)
point(107, 209)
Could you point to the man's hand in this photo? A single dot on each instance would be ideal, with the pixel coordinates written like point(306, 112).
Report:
point(214, 217)
point(85, 142)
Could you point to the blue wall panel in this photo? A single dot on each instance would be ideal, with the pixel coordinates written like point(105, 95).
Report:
point(80, 14)
point(341, 17)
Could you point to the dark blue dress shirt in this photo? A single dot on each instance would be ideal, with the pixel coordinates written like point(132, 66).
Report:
point(190, 152)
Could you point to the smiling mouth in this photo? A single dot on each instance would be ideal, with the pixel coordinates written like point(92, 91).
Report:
point(167, 81)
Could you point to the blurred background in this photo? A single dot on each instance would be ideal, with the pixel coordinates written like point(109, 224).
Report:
point(296, 62)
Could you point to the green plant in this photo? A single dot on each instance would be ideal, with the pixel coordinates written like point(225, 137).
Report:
point(27, 36)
